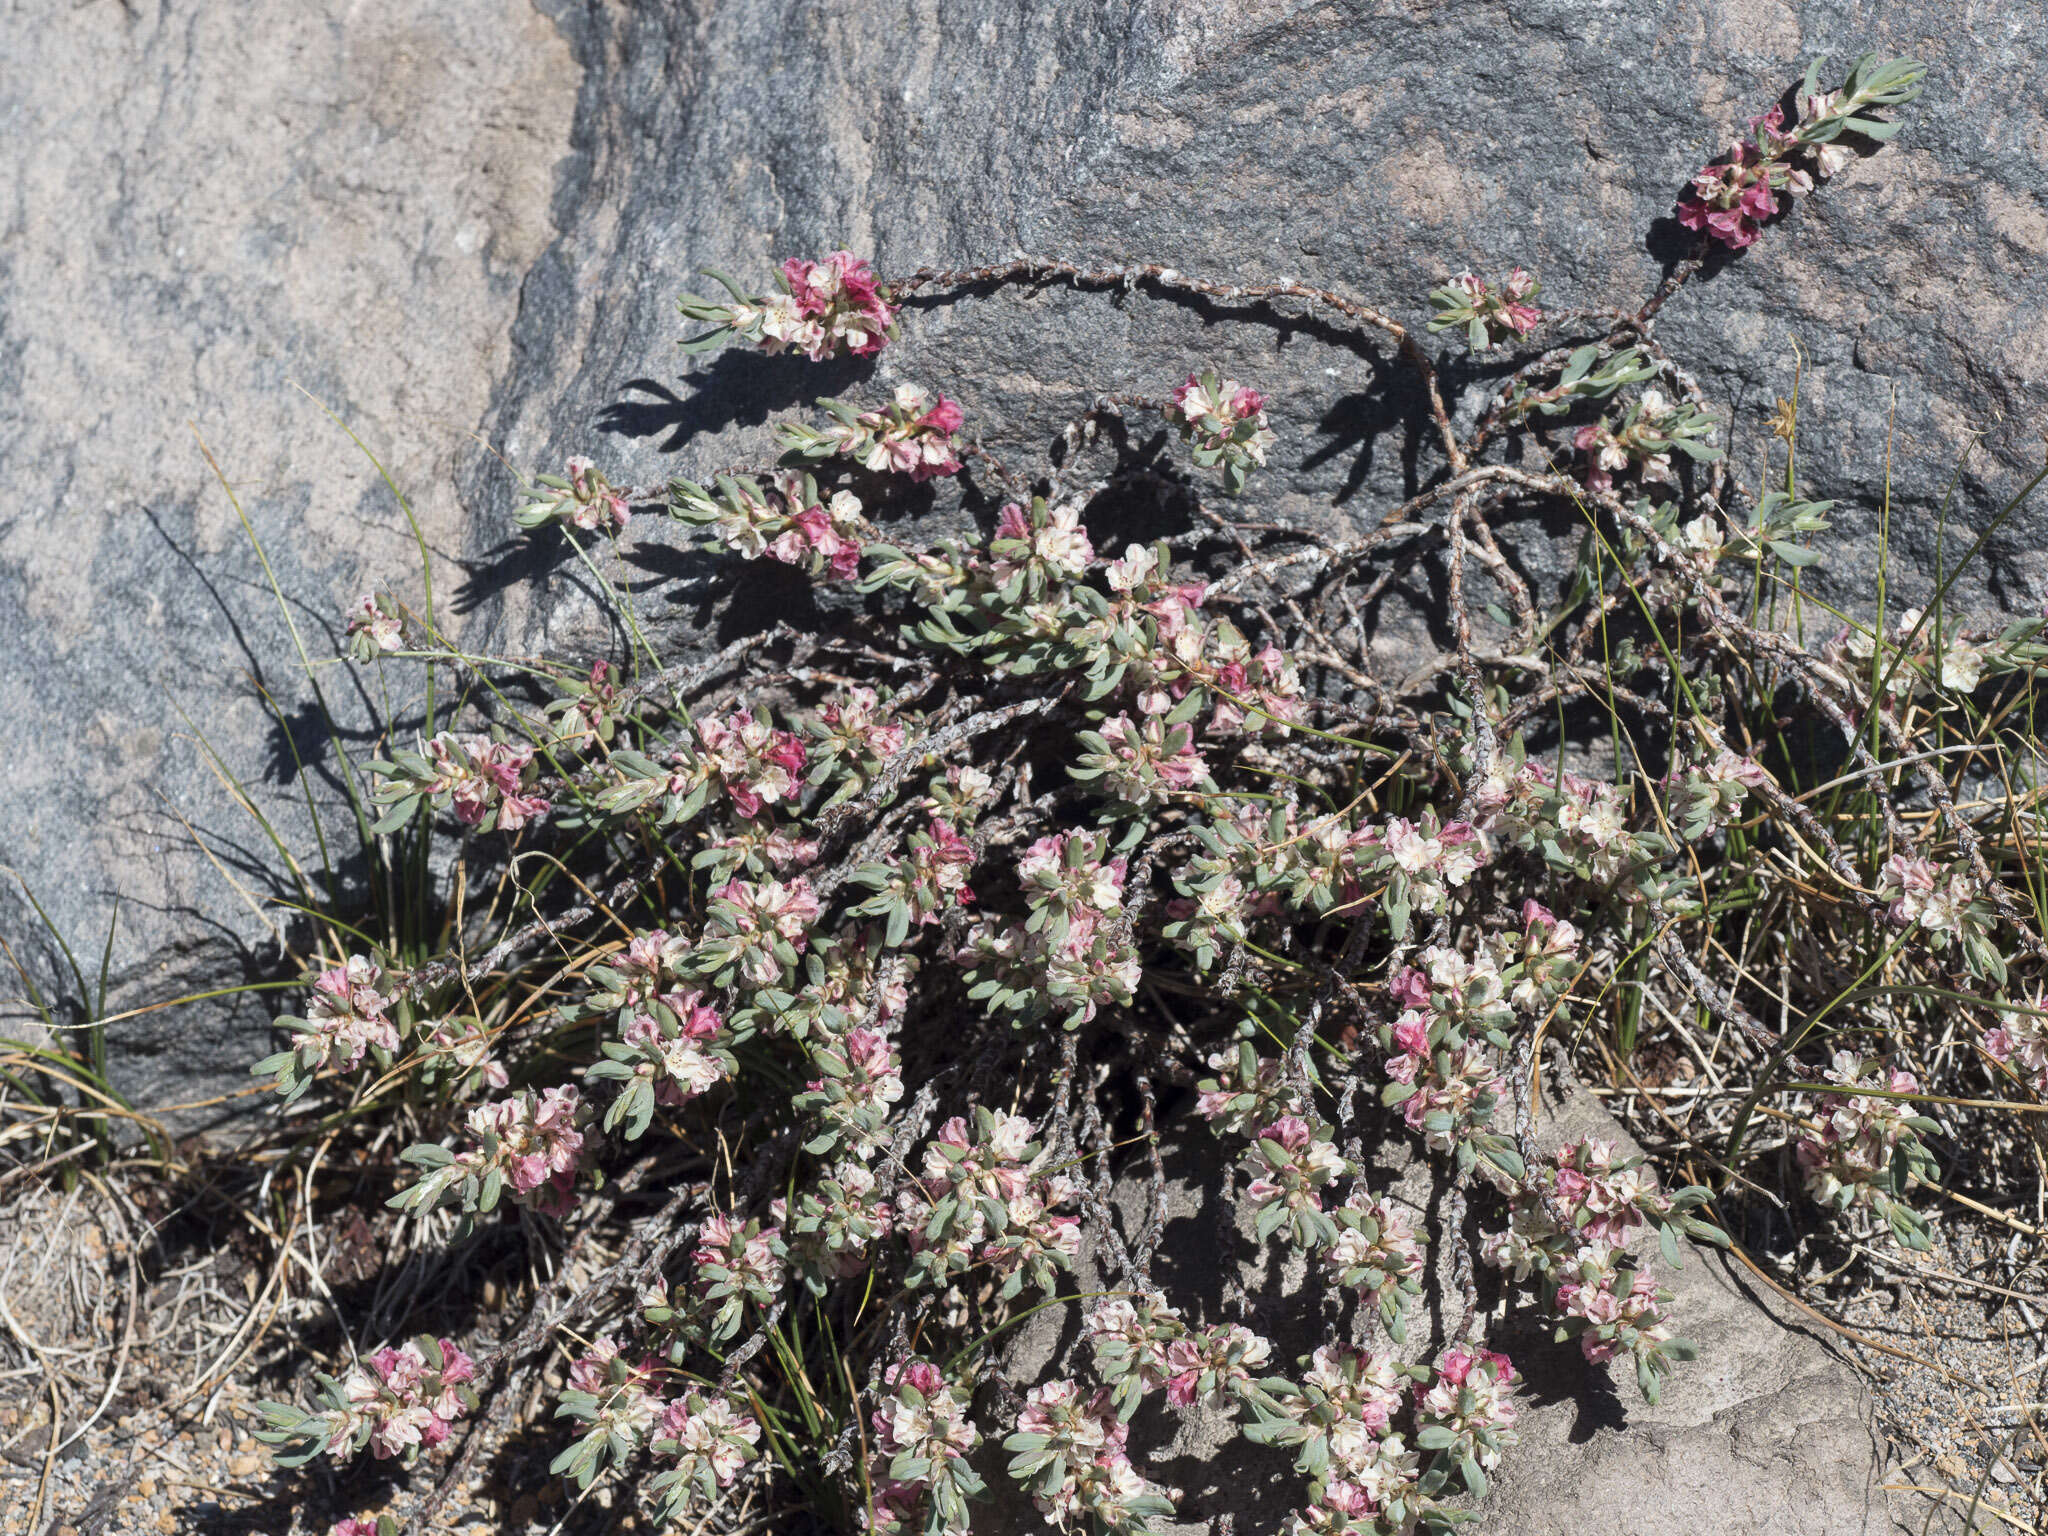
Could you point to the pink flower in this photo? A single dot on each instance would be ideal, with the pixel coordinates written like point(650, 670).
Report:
point(1456, 1366)
point(1411, 1034)
point(400, 1369)
point(1727, 201)
point(946, 416)
point(815, 524)
point(596, 506)
point(538, 1146)
point(922, 1374)
point(1410, 988)
point(1524, 318)
point(756, 763)
point(1184, 1360)
point(842, 301)
point(1291, 1131)
point(1347, 1499)
point(515, 811)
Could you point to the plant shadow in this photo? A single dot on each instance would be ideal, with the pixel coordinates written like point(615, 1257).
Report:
point(739, 388)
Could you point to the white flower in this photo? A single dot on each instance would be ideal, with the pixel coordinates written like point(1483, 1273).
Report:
point(1063, 542)
point(1703, 536)
point(1010, 1136)
point(1134, 570)
point(1962, 668)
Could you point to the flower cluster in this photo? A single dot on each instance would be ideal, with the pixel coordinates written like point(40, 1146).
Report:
point(754, 761)
point(1579, 825)
point(1068, 1450)
point(581, 499)
point(1345, 1417)
point(1487, 318)
point(616, 1399)
point(853, 737)
point(837, 1223)
point(1132, 1338)
point(627, 981)
point(2021, 1043)
point(709, 1441)
point(922, 1437)
point(584, 714)
point(927, 881)
point(1570, 1225)
point(1946, 905)
point(489, 783)
point(1071, 955)
point(1340, 1413)
point(397, 1403)
point(1155, 639)
point(859, 1079)
point(1704, 797)
point(1375, 1252)
point(1425, 861)
point(1614, 1306)
point(988, 1196)
point(1224, 425)
point(1212, 1367)
point(532, 1143)
point(1443, 1070)
point(1258, 691)
point(912, 435)
point(1246, 1091)
point(1293, 1161)
point(1643, 438)
point(374, 627)
point(1539, 963)
point(755, 931)
point(349, 1013)
point(1037, 547)
point(783, 517)
point(1922, 656)
point(1449, 1094)
point(1729, 200)
point(1255, 863)
point(738, 1262)
point(1146, 764)
point(678, 1048)
point(1467, 1416)
point(1867, 1150)
point(825, 309)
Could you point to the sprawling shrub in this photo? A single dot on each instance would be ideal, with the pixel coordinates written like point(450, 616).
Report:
point(889, 959)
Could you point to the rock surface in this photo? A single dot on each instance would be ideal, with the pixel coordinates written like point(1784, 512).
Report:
point(450, 217)
point(1768, 1430)
point(210, 208)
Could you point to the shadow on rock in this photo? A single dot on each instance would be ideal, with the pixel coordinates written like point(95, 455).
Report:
point(740, 388)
